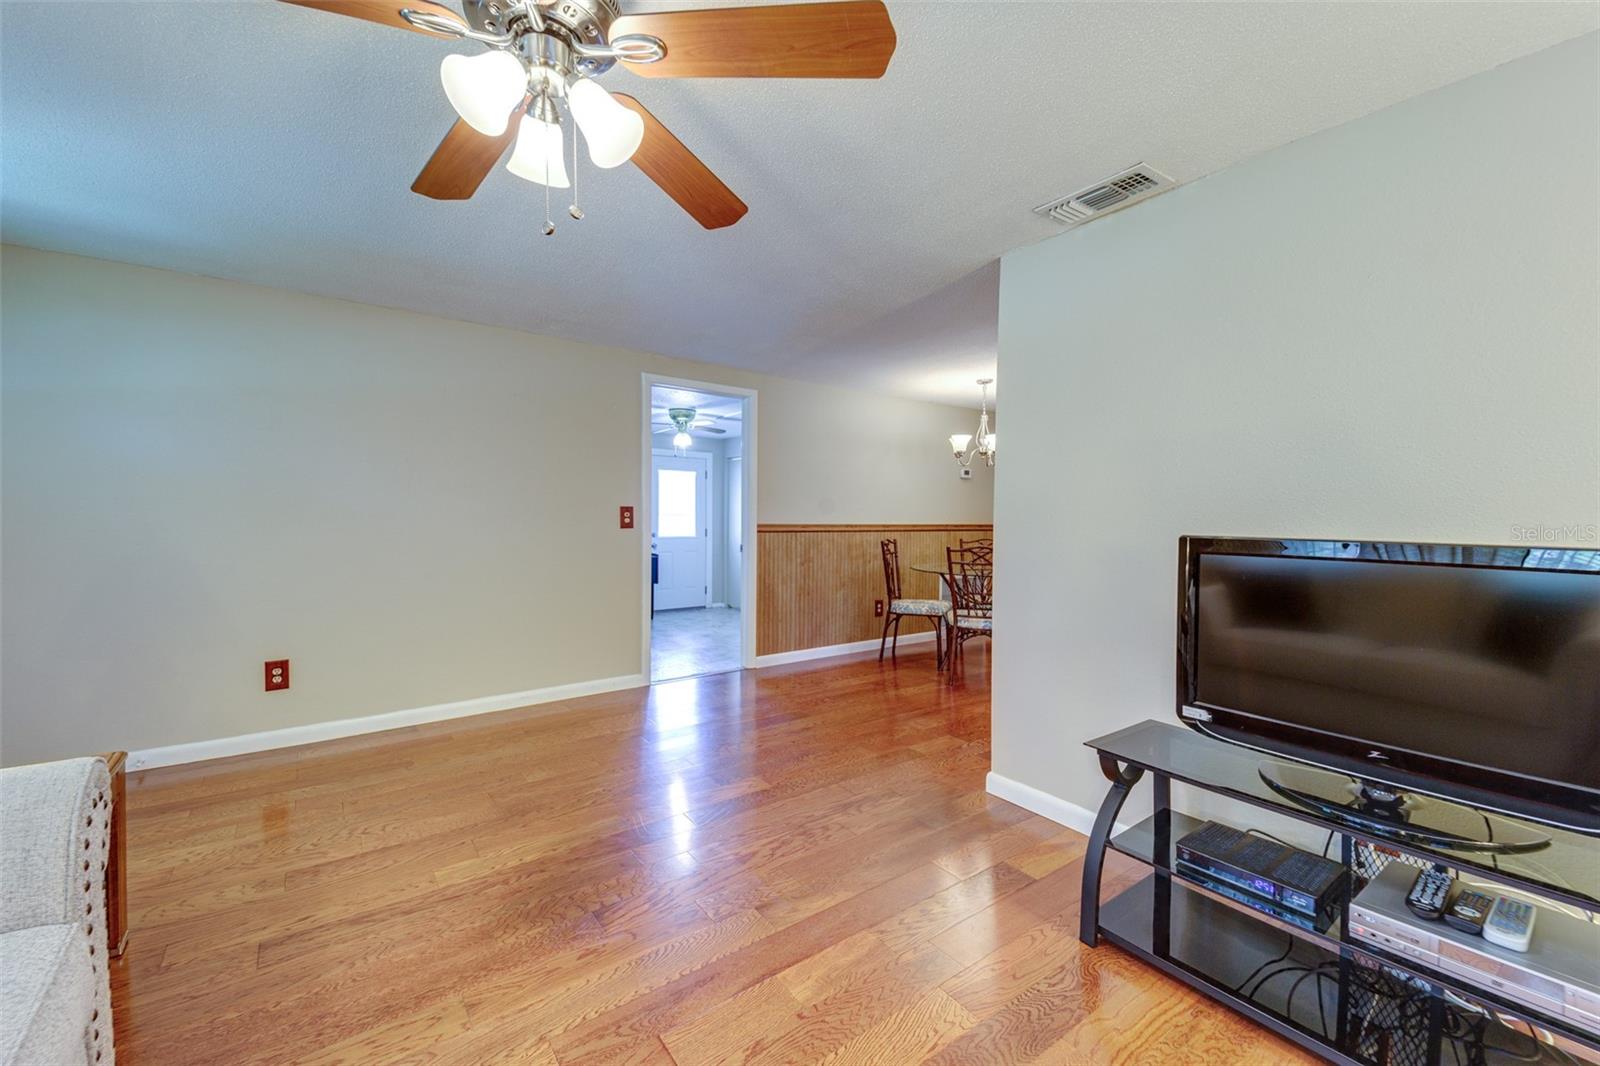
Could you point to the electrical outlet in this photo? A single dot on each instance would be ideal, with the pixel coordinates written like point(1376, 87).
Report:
point(966, 473)
point(277, 674)
point(625, 516)
point(877, 608)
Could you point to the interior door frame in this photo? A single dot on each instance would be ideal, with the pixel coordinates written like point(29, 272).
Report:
point(747, 563)
point(711, 505)
point(727, 463)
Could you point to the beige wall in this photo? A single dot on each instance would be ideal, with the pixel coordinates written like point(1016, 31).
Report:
point(199, 475)
point(1388, 330)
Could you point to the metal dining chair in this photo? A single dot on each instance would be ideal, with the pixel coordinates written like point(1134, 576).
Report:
point(899, 607)
point(970, 576)
point(980, 548)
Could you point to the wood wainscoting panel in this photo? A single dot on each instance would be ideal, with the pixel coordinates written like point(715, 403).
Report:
point(818, 582)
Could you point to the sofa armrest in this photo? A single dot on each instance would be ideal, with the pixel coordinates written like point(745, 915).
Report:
point(54, 830)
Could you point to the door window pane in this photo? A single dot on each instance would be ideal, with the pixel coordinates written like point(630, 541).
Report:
point(675, 503)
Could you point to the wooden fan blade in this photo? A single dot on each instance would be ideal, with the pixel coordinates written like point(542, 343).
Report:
point(461, 162)
point(681, 175)
point(853, 39)
point(383, 12)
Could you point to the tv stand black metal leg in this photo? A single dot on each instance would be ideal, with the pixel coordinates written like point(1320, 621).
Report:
point(1161, 851)
point(1122, 782)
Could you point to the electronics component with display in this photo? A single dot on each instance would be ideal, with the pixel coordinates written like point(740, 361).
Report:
point(1558, 974)
point(1294, 881)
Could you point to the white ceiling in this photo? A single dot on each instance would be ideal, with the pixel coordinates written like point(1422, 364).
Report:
point(273, 144)
point(721, 412)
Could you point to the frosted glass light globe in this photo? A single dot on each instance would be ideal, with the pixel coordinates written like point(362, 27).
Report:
point(612, 131)
point(484, 88)
point(537, 156)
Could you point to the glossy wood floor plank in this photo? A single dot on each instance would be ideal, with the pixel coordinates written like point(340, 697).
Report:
point(794, 866)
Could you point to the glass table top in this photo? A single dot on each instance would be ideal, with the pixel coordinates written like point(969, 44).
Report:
point(940, 567)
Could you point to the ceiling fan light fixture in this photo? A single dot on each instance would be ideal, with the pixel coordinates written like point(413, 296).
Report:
point(681, 441)
point(484, 88)
point(536, 48)
point(612, 131)
point(537, 156)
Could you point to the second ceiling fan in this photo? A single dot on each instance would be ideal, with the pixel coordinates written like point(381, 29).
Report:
point(542, 59)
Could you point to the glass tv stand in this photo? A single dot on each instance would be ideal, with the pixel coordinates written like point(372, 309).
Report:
point(1346, 1000)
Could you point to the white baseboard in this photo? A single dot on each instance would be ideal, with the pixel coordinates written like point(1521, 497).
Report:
point(829, 650)
point(293, 736)
point(1052, 807)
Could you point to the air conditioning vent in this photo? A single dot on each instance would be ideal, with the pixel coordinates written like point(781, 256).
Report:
point(1134, 184)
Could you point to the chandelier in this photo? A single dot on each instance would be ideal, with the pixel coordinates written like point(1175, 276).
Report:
point(967, 446)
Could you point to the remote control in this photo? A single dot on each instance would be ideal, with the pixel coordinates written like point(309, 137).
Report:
point(1469, 911)
point(1510, 923)
point(1429, 892)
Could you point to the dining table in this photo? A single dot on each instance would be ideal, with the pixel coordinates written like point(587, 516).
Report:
point(943, 568)
point(942, 571)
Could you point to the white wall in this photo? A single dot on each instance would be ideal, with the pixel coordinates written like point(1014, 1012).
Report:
point(1388, 330)
point(200, 475)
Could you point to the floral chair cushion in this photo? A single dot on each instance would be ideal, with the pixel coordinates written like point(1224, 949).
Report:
point(970, 621)
point(933, 608)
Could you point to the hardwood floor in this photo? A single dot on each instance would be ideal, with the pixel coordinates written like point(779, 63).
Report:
point(796, 865)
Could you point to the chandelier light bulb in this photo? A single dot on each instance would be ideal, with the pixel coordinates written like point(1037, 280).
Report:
point(959, 442)
point(484, 88)
point(537, 156)
point(611, 130)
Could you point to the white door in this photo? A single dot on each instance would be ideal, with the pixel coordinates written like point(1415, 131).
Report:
point(680, 515)
point(735, 530)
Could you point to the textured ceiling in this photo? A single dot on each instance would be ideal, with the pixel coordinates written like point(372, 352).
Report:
point(273, 144)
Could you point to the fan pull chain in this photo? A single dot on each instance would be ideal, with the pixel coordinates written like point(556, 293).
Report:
point(575, 211)
point(549, 226)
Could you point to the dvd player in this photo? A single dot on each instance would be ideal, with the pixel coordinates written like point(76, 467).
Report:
point(1291, 881)
point(1559, 974)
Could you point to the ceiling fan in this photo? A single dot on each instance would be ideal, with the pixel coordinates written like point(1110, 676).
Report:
point(542, 59)
point(683, 419)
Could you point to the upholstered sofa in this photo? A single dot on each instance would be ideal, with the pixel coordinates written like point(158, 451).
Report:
point(55, 993)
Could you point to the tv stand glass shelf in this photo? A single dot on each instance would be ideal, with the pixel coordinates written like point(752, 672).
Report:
point(1343, 999)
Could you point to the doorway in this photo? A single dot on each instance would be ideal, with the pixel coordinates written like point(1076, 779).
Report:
point(697, 443)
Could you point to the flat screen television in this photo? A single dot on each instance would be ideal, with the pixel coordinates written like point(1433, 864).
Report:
point(1469, 672)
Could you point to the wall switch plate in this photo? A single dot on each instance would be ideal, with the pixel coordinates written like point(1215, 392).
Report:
point(625, 515)
point(877, 608)
point(277, 674)
point(966, 473)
